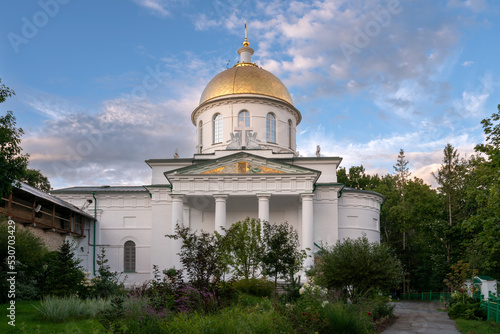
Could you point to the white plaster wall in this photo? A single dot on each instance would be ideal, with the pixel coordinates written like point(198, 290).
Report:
point(258, 113)
point(359, 213)
point(326, 216)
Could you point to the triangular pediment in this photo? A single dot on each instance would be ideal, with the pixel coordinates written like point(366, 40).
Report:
point(242, 163)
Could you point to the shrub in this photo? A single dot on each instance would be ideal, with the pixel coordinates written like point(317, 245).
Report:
point(343, 318)
point(260, 319)
point(58, 309)
point(379, 307)
point(260, 287)
point(190, 299)
point(30, 253)
point(64, 275)
point(357, 267)
point(140, 317)
point(469, 311)
point(107, 283)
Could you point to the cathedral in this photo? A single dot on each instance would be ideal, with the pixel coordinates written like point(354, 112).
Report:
point(245, 165)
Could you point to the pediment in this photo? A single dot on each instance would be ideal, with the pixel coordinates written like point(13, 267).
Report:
point(242, 163)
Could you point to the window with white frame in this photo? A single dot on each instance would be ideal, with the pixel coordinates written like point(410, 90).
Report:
point(271, 128)
point(217, 121)
point(244, 119)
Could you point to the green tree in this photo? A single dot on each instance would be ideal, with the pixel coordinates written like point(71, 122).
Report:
point(243, 242)
point(13, 163)
point(402, 174)
point(357, 178)
point(202, 255)
point(64, 275)
point(450, 179)
point(35, 178)
point(357, 267)
point(28, 262)
point(282, 257)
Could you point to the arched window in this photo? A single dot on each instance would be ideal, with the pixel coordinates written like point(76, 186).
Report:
point(244, 119)
point(200, 134)
point(217, 128)
point(290, 133)
point(129, 256)
point(271, 128)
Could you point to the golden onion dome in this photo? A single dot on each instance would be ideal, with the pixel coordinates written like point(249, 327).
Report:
point(246, 78)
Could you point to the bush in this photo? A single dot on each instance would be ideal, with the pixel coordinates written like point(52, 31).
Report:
point(30, 253)
point(259, 287)
point(379, 307)
point(468, 311)
point(357, 267)
point(191, 299)
point(260, 319)
point(64, 275)
point(58, 309)
point(343, 319)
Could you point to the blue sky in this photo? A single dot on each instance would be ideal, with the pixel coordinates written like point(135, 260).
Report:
point(102, 86)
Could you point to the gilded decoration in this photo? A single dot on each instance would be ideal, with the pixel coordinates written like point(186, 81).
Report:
point(246, 80)
point(243, 167)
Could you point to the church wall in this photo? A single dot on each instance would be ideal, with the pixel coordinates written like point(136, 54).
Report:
point(325, 216)
point(359, 213)
point(328, 168)
point(258, 111)
point(161, 217)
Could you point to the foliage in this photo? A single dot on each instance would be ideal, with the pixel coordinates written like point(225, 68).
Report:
point(13, 163)
point(259, 319)
point(282, 257)
point(30, 253)
point(135, 314)
point(460, 273)
point(357, 267)
point(469, 311)
point(254, 286)
point(201, 256)
point(191, 299)
point(357, 178)
point(106, 283)
point(28, 321)
point(57, 309)
point(64, 275)
point(477, 327)
point(35, 178)
point(344, 318)
point(243, 242)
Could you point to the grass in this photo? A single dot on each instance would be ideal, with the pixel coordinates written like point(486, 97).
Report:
point(28, 320)
point(477, 327)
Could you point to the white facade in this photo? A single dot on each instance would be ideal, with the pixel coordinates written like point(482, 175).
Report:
point(246, 165)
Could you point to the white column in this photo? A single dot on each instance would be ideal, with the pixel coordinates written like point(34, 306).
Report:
point(264, 207)
point(177, 219)
point(220, 212)
point(308, 228)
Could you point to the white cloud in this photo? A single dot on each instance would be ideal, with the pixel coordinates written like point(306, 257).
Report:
point(467, 63)
point(472, 103)
point(158, 7)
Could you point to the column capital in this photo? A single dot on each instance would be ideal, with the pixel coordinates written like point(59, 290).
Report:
point(306, 196)
point(176, 197)
point(221, 197)
point(263, 195)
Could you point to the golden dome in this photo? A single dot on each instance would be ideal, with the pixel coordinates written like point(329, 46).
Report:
point(246, 78)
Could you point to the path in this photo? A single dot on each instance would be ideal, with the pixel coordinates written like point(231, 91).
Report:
point(421, 317)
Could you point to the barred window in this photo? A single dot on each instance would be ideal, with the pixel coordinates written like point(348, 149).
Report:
point(244, 119)
point(271, 128)
point(217, 128)
point(129, 256)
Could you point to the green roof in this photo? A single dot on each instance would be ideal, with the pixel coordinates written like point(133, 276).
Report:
point(486, 278)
